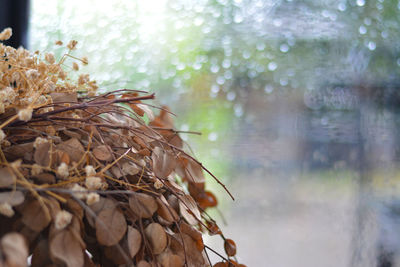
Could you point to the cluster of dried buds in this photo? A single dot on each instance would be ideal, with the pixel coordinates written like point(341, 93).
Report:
point(94, 180)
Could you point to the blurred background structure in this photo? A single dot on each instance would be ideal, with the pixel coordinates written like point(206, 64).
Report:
point(297, 100)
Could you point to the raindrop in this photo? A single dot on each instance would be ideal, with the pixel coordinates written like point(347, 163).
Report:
point(198, 21)
point(272, 66)
point(260, 46)
point(231, 96)
point(283, 81)
point(277, 22)
point(228, 75)
point(362, 29)
point(398, 62)
point(371, 46)
point(284, 48)
point(246, 54)
point(215, 88)
point(220, 80)
point(268, 89)
point(213, 136)
point(226, 63)
point(367, 21)
point(238, 110)
point(214, 68)
point(238, 18)
point(384, 34)
point(360, 2)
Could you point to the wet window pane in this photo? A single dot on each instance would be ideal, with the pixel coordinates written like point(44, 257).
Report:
point(297, 102)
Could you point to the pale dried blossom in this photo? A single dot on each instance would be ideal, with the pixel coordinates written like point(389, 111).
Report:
point(5, 34)
point(79, 191)
point(16, 164)
point(85, 61)
point(83, 78)
point(90, 171)
point(49, 57)
point(6, 209)
point(59, 42)
point(2, 135)
point(92, 198)
point(158, 184)
point(93, 183)
point(32, 74)
point(75, 66)
point(36, 169)
point(72, 44)
point(39, 141)
point(62, 220)
point(62, 170)
point(25, 114)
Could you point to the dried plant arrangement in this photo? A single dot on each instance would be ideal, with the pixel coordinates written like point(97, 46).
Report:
point(85, 181)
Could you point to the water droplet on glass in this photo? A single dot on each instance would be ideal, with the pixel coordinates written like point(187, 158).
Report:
point(268, 89)
point(272, 66)
point(214, 68)
point(371, 46)
point(238, 110)
point(284, 48)
point(360, 2)
point(362, 29)
point(213, 136)
point(342, 7)
point(214, 88)
point(220, 80)
point(231, 96)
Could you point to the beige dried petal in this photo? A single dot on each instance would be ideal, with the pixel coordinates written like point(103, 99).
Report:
point(93, 183)
point(79, 191)
point(6, 209)
point(15, 249)
point(62, 171)
point(5, 34)
point(157, 237)
point(25, 114)
point(39, 141)
point(49, 57)
point(2, 135)
point(92, 198)
point(89, 170)
point(63, 219)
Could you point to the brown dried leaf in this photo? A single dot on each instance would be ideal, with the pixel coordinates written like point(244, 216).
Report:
point(134, 240)
point(163, 162)
point(143, 264)
point(13, 198)
point(64, 97)
point(165, 211)
point(40, 255)
point(191, 231)
point(15, 250)
point(18, 151)
point(190, 170)
point(142, 205)
point(42, 154)
point(103, 204)
point(110, 226)
point(44, 178)
point(230, 247)
point(34, 216)
point(168, 259)
point(73, 148)
point(188, 209)
point(66, 245)
point(7, 177)
point(193, 255)
point(102, 153)
point(157, 237)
